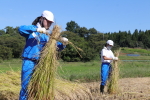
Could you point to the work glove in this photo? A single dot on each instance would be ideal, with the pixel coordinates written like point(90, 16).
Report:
point(41, 30)
point(115, 58)
point(64, 40)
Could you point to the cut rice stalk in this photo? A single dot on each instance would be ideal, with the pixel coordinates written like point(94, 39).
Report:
point(113, 86)
point(41, 86)
point(44, 84)
point(71, 91)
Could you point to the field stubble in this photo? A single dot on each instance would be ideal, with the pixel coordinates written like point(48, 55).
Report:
point(130, 89)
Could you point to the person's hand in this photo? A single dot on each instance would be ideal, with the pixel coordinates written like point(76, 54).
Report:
point(41, 30)
point(115, 58)
point(64, 40)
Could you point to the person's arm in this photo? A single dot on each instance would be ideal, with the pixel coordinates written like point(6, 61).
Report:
point(106, 58)
point(113, 58)
point(26, 30)
point(60, 46)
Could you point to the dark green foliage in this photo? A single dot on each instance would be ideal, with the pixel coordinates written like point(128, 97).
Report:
point(2, 32)
point(11, 43)
point(89, 40)
point(17, 46)
point(72, 27)
point(5, 53)
point(93, 31)
point(83, 32)
point(70, 54)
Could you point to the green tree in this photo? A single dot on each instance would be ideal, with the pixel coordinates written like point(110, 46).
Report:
point(92, 31)
point(2, 32)
point(70, 53)
point(12, 40)
point(72, 26)
point(135, 35)
point(9, 30)
point(5, 52)
point(84, 32)
point(96, 42)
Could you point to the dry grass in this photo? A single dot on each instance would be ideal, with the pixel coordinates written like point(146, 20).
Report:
point(41, 86)
point(131, 89)
point(76, 48)
point(9, 85)
point(113, 86)
point(71, 91)
point(9, 81)
point(44, 83)
point(63, 89)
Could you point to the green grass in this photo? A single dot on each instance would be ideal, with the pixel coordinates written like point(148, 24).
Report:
point(134, 69)
point(144, 54)
point(8, 65)
point(80, 71)
point(90, 71)
point(136, 51)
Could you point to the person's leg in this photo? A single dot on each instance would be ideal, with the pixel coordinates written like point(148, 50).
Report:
point(102, 88)
point(27, 69)
point(104, 75)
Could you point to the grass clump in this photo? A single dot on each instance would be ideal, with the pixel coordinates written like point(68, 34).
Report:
point(9, 85)
point(113, 86)
point(71, 91)
point(63, 89)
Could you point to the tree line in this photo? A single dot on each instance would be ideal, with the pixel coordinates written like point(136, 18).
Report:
point(87, 43)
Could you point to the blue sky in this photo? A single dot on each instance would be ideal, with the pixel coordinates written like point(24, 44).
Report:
point(103, 15)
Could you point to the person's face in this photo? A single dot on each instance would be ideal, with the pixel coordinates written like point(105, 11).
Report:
point(46, 23)
point(109, 46)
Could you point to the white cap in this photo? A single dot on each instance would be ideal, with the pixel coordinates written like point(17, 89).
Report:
point(48, 15)
point(110, 42)
point(64, 39)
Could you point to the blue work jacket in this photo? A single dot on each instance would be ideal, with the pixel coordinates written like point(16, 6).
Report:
point(35, 42)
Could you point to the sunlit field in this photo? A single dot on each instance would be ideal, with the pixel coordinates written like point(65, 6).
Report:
point(89, 71)
point(130, 66)
point(134, 76)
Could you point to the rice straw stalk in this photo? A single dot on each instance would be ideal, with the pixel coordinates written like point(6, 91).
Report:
point(113, 86)
point(41, 86)
point(45, 84)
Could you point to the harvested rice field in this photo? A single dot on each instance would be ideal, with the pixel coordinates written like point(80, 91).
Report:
point(130, 89)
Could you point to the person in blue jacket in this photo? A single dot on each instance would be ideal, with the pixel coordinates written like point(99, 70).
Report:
point(35, 41)
point(107, 57)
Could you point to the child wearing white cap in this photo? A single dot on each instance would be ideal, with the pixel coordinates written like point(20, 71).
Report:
point(36, 38)
point(107, 57)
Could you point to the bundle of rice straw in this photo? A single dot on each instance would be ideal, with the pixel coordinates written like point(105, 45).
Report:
point(113, 86)
point(66, 90)
point(43, 82)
